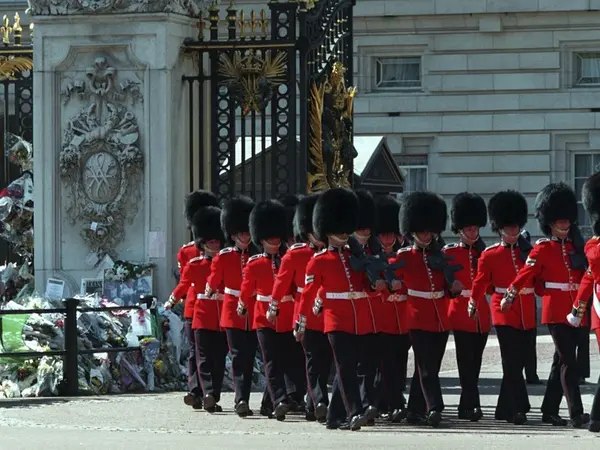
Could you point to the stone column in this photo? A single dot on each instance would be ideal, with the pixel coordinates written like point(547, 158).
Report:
point(110, 135)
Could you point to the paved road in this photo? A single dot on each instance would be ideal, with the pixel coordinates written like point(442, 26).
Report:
point(161, 421)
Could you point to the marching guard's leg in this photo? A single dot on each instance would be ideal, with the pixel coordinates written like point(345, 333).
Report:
point(272, 348)
point(242, 345)
point(595, 412)
point(205, 344)
point(367, 370)
point(391, 389)
point(583, 353)
point(469, 354)
point(194, 396)
point(318, 364)
point(295, 372)
point(218, 373)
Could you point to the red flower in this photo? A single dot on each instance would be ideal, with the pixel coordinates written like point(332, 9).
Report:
point(60, 323)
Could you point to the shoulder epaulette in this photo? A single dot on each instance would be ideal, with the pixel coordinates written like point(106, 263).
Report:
point(321, 252)
point(255, 257)
point(197, 258)
point(448, 246)
point(541, 241)
point(226, 250)
point(298, 245)
point(492, 246)
point(188, 244)
point(404, 249)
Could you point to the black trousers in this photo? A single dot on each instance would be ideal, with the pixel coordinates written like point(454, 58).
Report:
point(583, 352)
point(368, 364)
point(595, 412)
point(295, 371)
point(391, 373)
point(469, 355)
point(318, 363)
point(242, 345)
point(426, 390)
point(273, 347)
point(194, 385)
point(531, 355)
point(346, 391)
point(564, 376)
point(513, 397)
point(211, 351)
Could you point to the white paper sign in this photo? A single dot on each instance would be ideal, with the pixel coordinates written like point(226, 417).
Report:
point(156, 247)
point(55, 289)
point(141, 324)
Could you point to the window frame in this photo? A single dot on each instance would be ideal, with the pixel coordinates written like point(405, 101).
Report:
point(410, 167)
point(376, 61)
point(585, 228)
point(576, 58)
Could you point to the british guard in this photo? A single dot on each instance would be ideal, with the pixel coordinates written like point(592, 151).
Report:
point(267, 228)
point(423, 217)
point(339, 294)
point(370, 355)
point(290, 278)
point(295, 376)
point(194, 201)
point(551, 261)
point(497, 267)
point(468, 215)
point(226, 278)
point(590, 286)
point(211, 343)
point(390, 309)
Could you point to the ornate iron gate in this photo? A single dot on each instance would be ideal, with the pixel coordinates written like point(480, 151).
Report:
point(277, 92)
point(16, 95)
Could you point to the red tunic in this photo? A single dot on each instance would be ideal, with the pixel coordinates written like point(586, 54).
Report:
point(207, 309)
point(290, 280)
point(425, 289)
point(458, 308)
point(590, 283)
point(226, 275)
point(257, 286)
point(391, 311)
point(342, 290)
point(549, 262)
point(497, 267)
point(185, 253)
point(186, 288)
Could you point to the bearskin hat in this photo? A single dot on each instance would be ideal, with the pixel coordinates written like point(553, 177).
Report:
point(267, 220)
point(206, 224)
point(303, 217)
point(196, 200)
point(590, 194)
point(235, 215)
point(467, 210)
point(388, 210)
point(336, 211)
point(423, 211)
point(367, 211)
point(507, 208)
point(290, 202)
point(556, 201)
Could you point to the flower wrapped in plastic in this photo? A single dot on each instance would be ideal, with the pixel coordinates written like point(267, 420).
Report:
point(150, 351)
point(19, 151)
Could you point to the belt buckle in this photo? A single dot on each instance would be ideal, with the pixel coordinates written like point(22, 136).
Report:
point(432, 295)
point(572, 287)
point(352, 296)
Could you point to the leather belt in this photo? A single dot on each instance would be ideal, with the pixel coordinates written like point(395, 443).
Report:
point(209, 297)
point(426, 294)
point(397, 298)
point(523, 291)
point(345, 295)
point(263, 298)
point(234, 292)
point(567, 287)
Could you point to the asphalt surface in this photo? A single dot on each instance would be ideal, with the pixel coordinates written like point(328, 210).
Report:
point(162, 421)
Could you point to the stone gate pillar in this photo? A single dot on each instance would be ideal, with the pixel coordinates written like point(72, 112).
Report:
point(111, 162)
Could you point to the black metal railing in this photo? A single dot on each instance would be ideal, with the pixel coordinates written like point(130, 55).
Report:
point(71, 350)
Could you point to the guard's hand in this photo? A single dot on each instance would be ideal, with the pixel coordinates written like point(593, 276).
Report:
point(170, 303)
point(505, 304)
point(298, 335)
point(380, 285)
point(241, 308)
point(272, 313)
point(471, 308)
point(396, 285)
point(574, 321)
point(457, 287)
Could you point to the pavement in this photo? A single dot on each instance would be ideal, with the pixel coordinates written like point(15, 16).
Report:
point(162, 421)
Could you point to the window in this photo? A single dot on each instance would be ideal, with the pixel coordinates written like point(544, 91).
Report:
point(414, 171)
point(587, 69)
point(398, 73)
point(584, 166)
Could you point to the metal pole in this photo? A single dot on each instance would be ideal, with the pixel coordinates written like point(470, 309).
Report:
point(71, 364)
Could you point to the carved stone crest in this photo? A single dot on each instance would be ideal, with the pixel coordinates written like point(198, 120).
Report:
point(70, 7)
point(100, 161)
